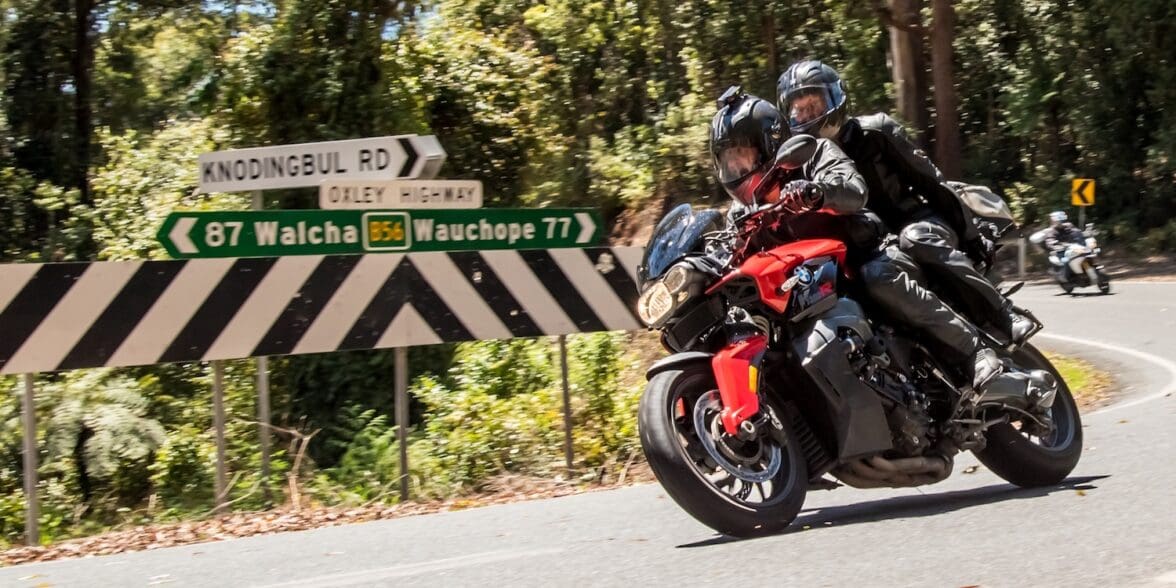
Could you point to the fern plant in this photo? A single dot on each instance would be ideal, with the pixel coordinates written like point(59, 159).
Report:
point(100, 423)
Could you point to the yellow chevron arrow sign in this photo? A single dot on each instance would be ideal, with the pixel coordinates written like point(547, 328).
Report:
point(1082, 192)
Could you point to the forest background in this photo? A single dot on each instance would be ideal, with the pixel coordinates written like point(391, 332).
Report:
point(106, 104)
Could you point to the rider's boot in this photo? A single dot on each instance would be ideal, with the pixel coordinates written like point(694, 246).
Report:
point(1017, 326)
point(986, 367)
point(996, 383)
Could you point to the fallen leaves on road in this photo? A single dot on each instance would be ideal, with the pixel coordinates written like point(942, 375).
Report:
point(502, 490)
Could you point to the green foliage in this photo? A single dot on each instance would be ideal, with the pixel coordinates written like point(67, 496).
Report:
point(146, 177)
point(497, 411)
point(184, 468)
point(105, 417)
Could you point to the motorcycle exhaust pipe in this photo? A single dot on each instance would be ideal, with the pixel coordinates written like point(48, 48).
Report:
point(879, 472)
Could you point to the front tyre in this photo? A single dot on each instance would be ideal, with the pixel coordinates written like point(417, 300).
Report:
point(742, 489)
point(1023, 454)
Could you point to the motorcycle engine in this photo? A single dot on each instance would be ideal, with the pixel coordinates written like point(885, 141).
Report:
point(907, 408)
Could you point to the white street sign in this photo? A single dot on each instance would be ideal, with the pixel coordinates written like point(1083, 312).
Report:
point(400, 194)
point(307, 164)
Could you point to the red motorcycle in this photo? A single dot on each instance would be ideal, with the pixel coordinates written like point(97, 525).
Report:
point(782, 373)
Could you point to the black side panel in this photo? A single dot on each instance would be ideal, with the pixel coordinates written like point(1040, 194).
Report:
point(856, 412)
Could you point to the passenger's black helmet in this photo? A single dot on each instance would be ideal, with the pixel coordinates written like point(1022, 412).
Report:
point(744, 136)
point(812, 78)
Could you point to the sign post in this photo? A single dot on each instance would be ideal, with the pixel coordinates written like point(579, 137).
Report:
point(32, 504)
point(317, 232)
point(400, 365)
point(218, 425)
point(263, 395)
point(569, 455)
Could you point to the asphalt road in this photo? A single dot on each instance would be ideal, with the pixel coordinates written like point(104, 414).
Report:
point(1111, 524)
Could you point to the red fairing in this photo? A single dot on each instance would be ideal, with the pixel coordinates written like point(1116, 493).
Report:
point(736, 388)
point(771, 268)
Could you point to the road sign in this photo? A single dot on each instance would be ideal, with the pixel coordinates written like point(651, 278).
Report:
point(307, 164)
point(373, 195)
point(1082, 192)
point(317, 232)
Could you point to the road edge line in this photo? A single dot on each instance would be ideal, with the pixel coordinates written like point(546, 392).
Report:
point(1170, 366)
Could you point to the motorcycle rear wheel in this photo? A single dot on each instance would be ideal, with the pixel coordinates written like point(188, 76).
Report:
point(702, 476)
point(1029, 460)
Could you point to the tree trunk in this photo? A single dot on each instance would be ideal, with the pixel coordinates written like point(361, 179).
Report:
point(769, 31)
point(906, 51)
point(82, 63)
point(947, 131)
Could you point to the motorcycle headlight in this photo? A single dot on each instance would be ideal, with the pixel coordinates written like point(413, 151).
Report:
point(676, 278)
point(655, 304)
point(659, 301)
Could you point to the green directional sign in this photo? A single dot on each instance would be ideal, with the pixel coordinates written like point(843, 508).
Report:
point(317, 232)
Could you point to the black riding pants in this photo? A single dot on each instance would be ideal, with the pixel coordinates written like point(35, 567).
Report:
point(935, 247)
point(892, 279)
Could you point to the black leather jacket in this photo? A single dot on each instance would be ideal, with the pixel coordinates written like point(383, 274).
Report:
point(1057, 238)
point(904, 185)
point(842, 215)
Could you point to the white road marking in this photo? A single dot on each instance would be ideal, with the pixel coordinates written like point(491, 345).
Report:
point(1155, 359)
point(412, 569)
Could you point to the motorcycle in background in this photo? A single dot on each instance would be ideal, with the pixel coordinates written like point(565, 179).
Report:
point(1076, 265)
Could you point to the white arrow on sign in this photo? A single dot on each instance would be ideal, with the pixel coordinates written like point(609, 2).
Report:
point(587, 227)
point(179, 235)
point(432, 156)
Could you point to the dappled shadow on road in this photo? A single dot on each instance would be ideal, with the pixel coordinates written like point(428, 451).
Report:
point(904, 507)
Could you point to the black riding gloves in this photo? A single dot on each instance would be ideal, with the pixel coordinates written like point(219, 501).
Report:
point(981, 250)
point(800, 196)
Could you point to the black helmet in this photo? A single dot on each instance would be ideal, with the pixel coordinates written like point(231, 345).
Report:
point(812, 78)
point(744, 136)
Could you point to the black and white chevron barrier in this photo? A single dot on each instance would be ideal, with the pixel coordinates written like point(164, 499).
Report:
point(64, 316)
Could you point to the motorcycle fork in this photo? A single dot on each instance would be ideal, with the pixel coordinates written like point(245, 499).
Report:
point(737, 372)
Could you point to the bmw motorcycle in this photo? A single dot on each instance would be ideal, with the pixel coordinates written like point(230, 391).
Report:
point(1077, 265)
point(782, 378)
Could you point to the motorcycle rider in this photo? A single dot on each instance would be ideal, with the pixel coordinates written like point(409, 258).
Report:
point(827, 200)
point(1062, 233)
point(1058, 238)
point(907, 191)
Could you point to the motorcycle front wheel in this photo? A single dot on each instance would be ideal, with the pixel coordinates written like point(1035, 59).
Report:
point(1027, 455)
point(739, 488)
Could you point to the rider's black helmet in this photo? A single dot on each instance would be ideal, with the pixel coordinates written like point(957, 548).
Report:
point(823, 113)
point(744, 136)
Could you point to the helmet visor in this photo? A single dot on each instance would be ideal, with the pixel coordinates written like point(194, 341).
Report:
point(809, 105)
point(735, 163)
